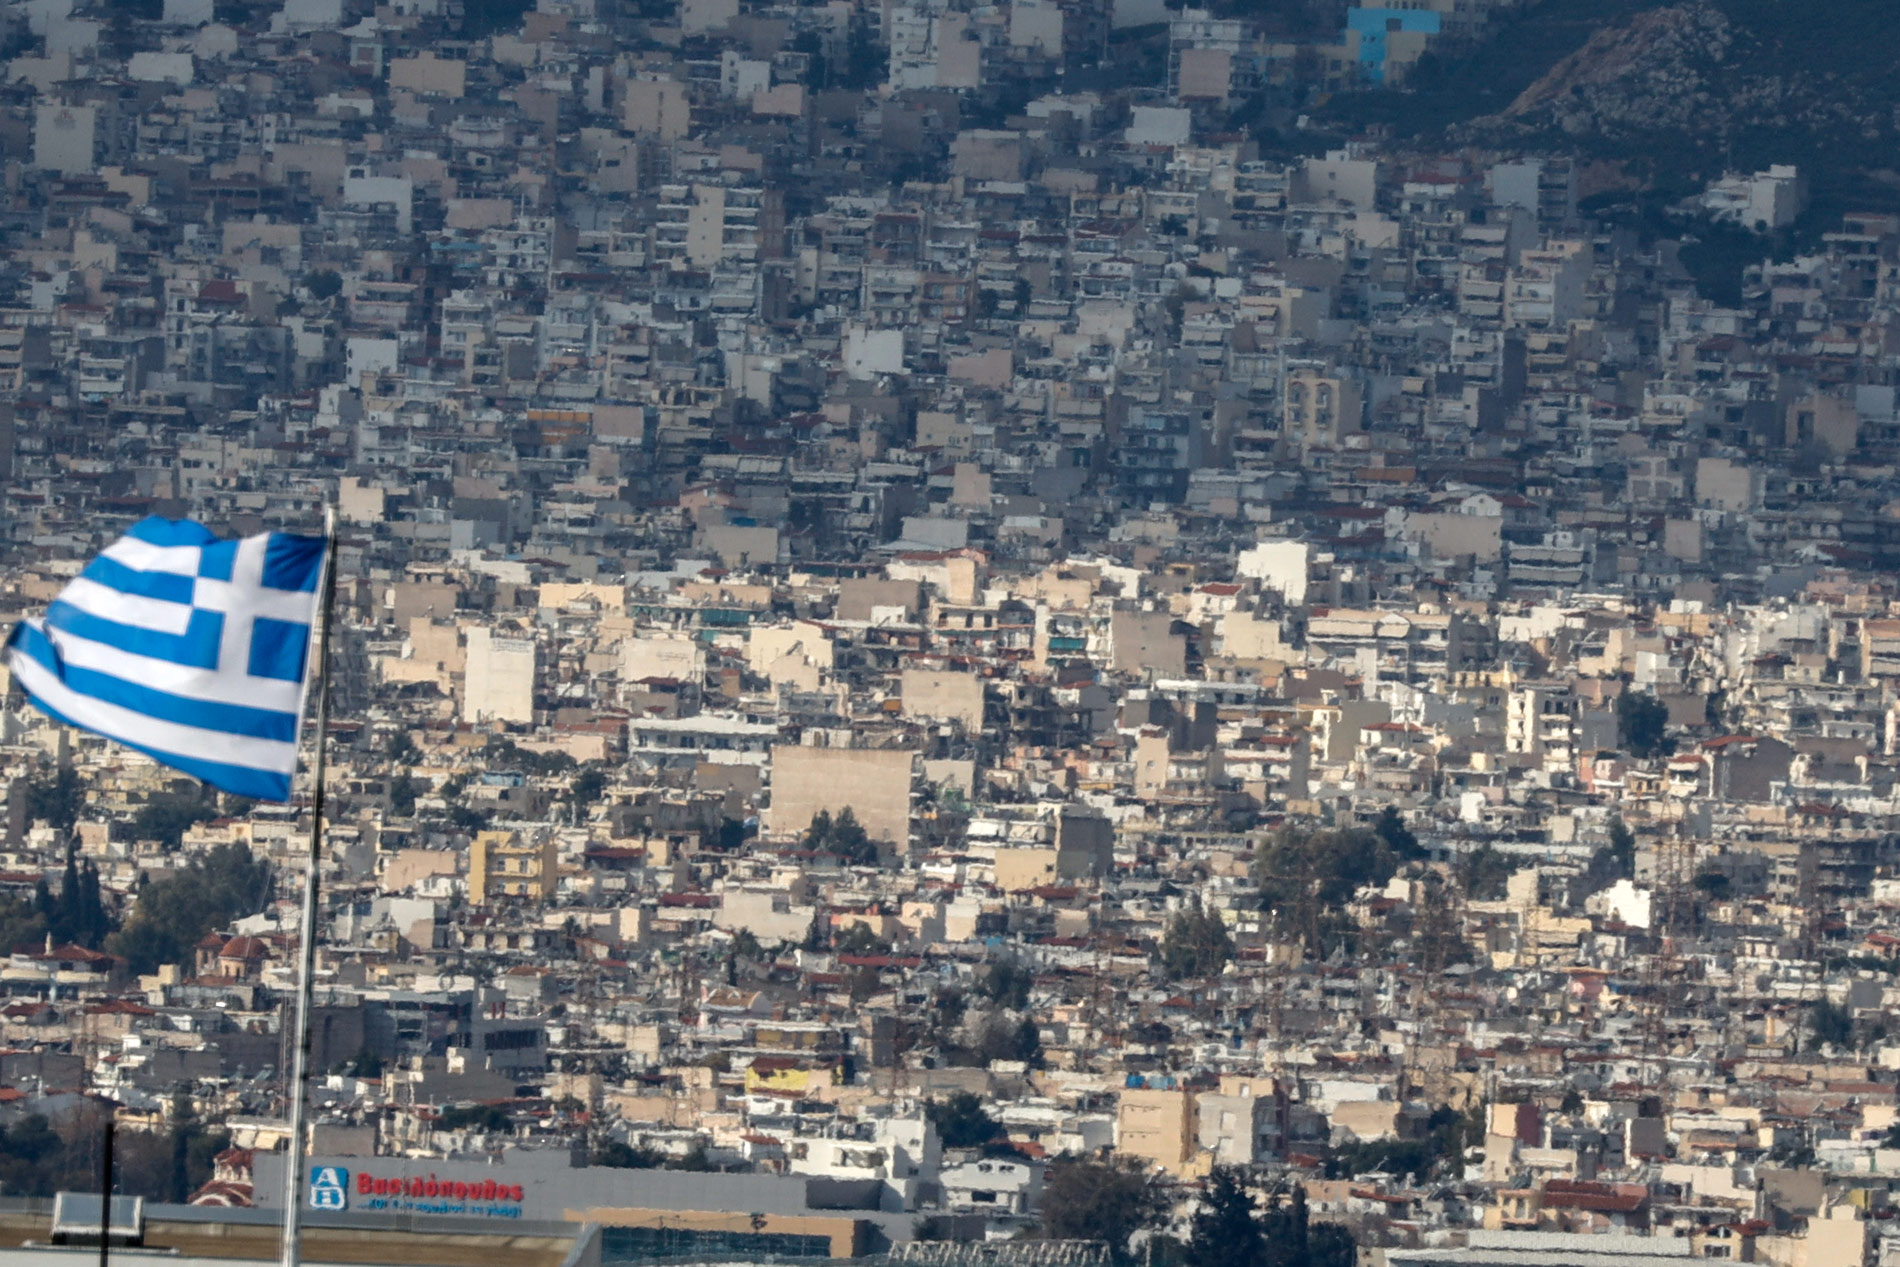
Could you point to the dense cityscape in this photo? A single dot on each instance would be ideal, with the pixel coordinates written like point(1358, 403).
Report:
point(1007, 634)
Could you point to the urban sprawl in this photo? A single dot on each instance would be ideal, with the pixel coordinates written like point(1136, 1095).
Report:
point(938, 644)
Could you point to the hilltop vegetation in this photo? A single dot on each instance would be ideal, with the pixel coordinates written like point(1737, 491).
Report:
point(1674, 93)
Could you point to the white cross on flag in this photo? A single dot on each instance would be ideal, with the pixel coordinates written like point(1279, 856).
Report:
point(189, 648)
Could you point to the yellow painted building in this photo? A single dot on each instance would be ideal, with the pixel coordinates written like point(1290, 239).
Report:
point(503, 864)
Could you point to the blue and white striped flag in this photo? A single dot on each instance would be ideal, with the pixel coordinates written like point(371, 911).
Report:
point(186, 647)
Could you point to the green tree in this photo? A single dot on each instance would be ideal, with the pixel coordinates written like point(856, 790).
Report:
point(1622, 846)
point(587, 785)
point(1329, 1245)
point(78, 915)
point(1438, 932)
point(22, 923)
point(961, 1121)
point(1006, 983)
point(1642, 724)
point(32, 1158)
point(201, 1154)
point(1101, 1201)
point(57, 800)
point(481, 1117)
point(842, 836)
point(1613, 861)
point(1223, 1231)
point(623, 1156)
point(864, 59)
point(850, 841)
point(504, 753)
point(1196, 944)
point(323, 283)
point(90, 922)
point(173, 914)
point(1004, 1039)
point(1397, 836)
point(1292, 1240)
point(1448, 1134)
point(402, 795)
point(1712, 884)
point(1485, 872)
point(696, 1159)
point(932, 1227)
point(1306, 878)
point(859, 940)
point(191, 1145)
point(167, 817)
point(1829, 1022)
point(946, 1015)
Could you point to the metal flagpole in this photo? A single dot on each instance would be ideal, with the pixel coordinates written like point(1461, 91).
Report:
point(105, 1198)
point(294, 1162)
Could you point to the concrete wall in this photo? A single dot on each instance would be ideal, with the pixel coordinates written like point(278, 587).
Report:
point(64, 139)
point(429, 73)
point(1143, 642)
point(657, 106)
point(873, 782)
point(1452, 536)
point(857, 597)
point(499, 682)
point(1156, 1126)
point(666, 655)
point(944, 695)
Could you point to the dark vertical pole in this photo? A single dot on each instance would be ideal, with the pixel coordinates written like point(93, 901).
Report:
point(296, 1159)
point(105, 1198)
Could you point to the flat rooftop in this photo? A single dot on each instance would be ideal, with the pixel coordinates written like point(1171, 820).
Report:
point(180, 1235)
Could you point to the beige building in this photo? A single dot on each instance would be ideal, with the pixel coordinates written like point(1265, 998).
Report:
point(797, 655)
point(1145, 642)
point(66, 139)
point(1050, 844)
point(944, 695)
point(662, 654)
point(874, 783)
point(406, 868)
point(1158, 1126)
point(1321, 409)
point(498, 683)
point(656, 106)
point(503, 864)
point(778, 914)
point(1454, 535)
point(427, 73)
point(1393, 646)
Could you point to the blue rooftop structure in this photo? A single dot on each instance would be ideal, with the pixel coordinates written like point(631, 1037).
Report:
point(1373, 25)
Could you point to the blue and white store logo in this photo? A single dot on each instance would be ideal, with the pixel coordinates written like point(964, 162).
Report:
point(329, 1188)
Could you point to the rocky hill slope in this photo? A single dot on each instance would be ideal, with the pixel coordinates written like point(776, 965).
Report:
point(1677, 91)
point(1735, 79)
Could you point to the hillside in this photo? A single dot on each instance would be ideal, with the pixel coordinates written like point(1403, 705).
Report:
point(1675, 91)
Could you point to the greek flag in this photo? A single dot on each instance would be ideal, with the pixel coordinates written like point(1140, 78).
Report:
point(186, 647)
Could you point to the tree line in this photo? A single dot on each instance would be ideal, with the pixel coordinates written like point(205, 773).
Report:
point(42, 1156)
point(169, 917)
point(1128, 1209)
